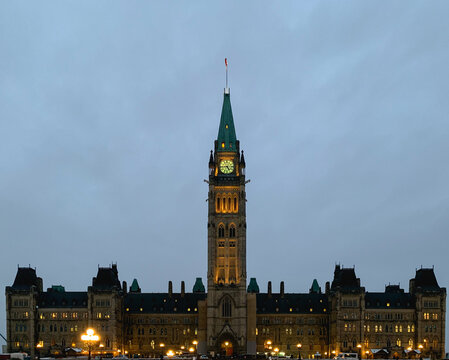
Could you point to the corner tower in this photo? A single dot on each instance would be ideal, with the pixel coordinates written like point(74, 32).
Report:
point(226, 276)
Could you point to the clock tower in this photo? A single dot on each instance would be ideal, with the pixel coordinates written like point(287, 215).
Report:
point(226, 276)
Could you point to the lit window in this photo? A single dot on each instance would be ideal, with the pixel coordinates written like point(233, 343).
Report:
point(223, 145)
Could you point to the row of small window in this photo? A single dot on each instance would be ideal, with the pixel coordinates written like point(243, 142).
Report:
point(103, 303)
point(386, 316)
point(221, 231)
point(431, 304)
point(349, 303)
point(100, 315)
point(21, 328)
point(222, 243)
point(54, 328)
point(388, 328)
point(162, 309)
point(20, 315)
point(430, 328)
point(161, 332)
point(226, 203)
point(379, 343)
point(430, 316)
point(63, 315)
point(163, 320)
point(20, 303)
point(290, 321)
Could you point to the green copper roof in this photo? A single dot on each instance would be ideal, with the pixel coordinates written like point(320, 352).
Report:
point(198, 287)
point(253, 287)
point(226, 140)
point(315, 287)
point(58, 288)
point(134, 286)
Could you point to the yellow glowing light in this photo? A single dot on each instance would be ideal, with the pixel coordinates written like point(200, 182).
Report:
point(420, 346)
point(191, 349)
point(333, 351)
point(170, 353)
point(90, 336)
point(276, 349)
point(182, 347)
point(101, 345)
point(299, 346)
point(226, 343)
point(269, 342)
point(161, 344)
point(194, 342)
point(40, 344)
point(126, 352)
point(359, 346)
point(409, 348)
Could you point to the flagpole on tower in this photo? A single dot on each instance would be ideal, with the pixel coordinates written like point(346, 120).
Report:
point(226, 64)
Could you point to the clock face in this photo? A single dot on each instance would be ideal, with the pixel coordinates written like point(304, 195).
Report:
point(226, 166)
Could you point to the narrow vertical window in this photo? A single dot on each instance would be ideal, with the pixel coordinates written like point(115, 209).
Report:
point(218, 207)
point(221, 231)
point(232, 231)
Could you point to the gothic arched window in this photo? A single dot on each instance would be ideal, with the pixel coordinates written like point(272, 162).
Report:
point(232, 231)
point(221, 231)
point(226, 310)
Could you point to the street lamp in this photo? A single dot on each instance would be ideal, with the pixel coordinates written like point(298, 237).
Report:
point(90, 337)
point(359, 346)
point(39, 347)
point(299, 346)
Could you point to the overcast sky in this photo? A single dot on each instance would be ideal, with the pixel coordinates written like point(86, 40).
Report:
point(108, 111)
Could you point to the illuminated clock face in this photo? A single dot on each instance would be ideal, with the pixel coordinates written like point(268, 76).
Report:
point(226, 166)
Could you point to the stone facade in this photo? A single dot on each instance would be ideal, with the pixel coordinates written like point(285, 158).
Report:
point(231, 317)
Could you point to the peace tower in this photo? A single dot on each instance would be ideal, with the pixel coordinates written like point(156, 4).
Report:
point(226, 276)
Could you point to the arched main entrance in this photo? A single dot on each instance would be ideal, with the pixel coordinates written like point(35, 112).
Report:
point(227, 348)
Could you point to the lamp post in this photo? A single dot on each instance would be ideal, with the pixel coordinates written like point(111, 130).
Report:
point(90, 337)
point(39, 347)
point(299, 346)
point(359, 346)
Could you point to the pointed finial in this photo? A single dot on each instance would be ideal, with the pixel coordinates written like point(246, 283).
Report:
point(226, 65)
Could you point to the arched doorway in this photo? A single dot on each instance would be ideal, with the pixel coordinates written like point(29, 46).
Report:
point(227, 348)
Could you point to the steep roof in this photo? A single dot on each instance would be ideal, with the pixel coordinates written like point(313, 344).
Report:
point(135, 287)
point(291, 303)
point(25, 278)
point(345, 279)
point(226, 139)
point(315, 288)
point(253, 287)
point(389, 300)
point(66, 299)
point(163, 303)
point(426, 280)
point(198, 287)
point(106, 279)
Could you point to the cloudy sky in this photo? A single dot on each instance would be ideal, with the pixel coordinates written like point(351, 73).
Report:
point(108, 111)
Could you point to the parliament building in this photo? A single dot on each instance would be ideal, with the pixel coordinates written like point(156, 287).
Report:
point(229, 315)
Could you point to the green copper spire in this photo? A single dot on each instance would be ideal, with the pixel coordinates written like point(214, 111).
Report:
point(226, 140)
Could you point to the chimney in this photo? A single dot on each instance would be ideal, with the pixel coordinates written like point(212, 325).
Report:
point(183, 288)
point(170, 288)
point(269, 288)
point(282, 289)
